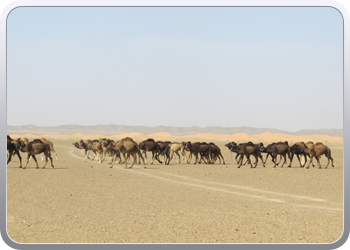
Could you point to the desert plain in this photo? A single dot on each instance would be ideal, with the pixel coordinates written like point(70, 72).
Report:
point(88, 202)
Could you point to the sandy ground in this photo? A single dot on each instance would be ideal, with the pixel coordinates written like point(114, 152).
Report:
point(79, 202)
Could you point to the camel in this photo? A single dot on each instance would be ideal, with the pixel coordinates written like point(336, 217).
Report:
point(201, 148)
point(11, 148)
point(33, 148)
point(150, 145)
point(228, 145)
point(279, 148)
point(94, 146)
point(215, 153)
point(175, 148)
point(129, 147)
point(247, 149)
point(50, 144)
point(107, 149)
point(164, 150)
point(297, 149)
point(316, 150)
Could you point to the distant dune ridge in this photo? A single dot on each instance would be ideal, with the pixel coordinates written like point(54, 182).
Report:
point(111, 129)
point(163, 133)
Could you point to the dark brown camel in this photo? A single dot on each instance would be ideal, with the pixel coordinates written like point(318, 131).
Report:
point(247, 149)
point(298, 149)
point(316, 150)
point(216, 153)
point(164, 150)
point(202, 149)
point(11, 148)
point(33, 148)
point(228, 145)
point(151, 146)
point(279, 148)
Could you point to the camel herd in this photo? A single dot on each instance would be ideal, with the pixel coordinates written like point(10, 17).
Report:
point(208, 153)
point(164, 151)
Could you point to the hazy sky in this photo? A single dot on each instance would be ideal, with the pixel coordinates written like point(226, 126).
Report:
point(270, 67)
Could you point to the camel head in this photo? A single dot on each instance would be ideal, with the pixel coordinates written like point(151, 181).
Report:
point(19, 144)
point(187, 145)
point(261, 147)
point(232, 146)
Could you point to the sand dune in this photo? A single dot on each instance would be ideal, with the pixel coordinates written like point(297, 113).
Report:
point(240, 137)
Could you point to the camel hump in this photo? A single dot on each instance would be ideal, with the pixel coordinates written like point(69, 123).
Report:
point(150, 140)
point(37, 141)
point(250, 144)
point(319, 143)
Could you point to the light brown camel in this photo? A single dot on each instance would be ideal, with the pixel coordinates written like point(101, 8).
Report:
point(50, 144)
point(129, 147)
point(175, 148)
point(316, 150)
point(107, 149)
point(33, 148)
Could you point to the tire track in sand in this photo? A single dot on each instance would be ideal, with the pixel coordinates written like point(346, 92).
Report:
point(253, 193)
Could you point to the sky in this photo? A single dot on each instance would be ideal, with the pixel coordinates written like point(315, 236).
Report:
point(265, 67)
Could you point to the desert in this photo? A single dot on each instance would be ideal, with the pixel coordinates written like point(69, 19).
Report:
point(88, 202)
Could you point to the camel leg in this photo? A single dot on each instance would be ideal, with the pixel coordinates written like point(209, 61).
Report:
point(153, 157)
point(250, 162)
point(143, 160)
point(87, 154)
point(42, 157)
point(144, 152)
point(177, 153)
point(267, 156)
point(157, 158)
point(298, 159)
point(223, 161)
point(262, 160)
point(183, 156)
point(285, 160)
point(329, 158)
point(135, 160)
point(20, 158)
point(274, 157)
point(305, 157)
point(318, 161)
point(126, 160)
point(240, 161)
point(290, 161)
point(256, 161)
point(279, 160)
point(27, 160)
point(51, 160)
point(9, 156)
point(48, 155)
point(236, 158)
point(37, 165)
point(189, 158)
point(310, 161)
